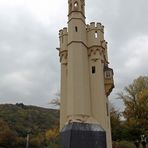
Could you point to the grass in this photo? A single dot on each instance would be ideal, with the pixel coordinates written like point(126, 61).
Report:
point(123, 144)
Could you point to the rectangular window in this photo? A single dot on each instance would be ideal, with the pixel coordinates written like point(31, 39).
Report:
point(108, 74)
point(93, 69)
point(76, 28)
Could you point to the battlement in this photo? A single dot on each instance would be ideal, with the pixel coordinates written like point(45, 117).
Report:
point(95, 26)
point(63, 31)
point(82, 1)
point(104, 44)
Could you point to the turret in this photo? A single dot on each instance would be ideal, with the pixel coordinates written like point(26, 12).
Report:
point(95, 34)
point(63, 37)
point(78, 90)
point(76, 21)
point(63, 53)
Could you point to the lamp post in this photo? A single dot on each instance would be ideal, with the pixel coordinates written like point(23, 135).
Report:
point(27, 140)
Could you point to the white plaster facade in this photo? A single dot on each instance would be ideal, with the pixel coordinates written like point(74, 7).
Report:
point(86, 80)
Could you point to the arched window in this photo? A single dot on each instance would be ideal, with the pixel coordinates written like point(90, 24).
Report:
point(96, 34)
point(76, 6)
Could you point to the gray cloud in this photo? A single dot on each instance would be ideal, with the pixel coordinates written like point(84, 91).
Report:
point(29, 63)
point(29, 71)
point(127, 34)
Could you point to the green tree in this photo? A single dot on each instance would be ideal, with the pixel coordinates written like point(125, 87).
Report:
point(115, 123)
point(135, 97)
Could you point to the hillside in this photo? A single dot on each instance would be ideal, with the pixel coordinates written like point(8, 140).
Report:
point(17, 120)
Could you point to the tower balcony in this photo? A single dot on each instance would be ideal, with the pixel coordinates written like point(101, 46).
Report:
point(108, 80)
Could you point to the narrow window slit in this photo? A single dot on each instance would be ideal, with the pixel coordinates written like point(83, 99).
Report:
point(93, 69)
point(76, 28)
point(96, 34)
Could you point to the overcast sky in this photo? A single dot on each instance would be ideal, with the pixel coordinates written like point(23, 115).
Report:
point(29, 62)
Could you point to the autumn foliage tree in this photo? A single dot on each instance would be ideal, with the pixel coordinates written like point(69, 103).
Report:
point(7, 136)
point(135, 98)
point(52, 137)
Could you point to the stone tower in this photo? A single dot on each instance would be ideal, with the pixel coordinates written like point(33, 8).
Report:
point(86, 79)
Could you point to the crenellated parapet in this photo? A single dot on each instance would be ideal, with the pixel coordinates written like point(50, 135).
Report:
point(95, 26)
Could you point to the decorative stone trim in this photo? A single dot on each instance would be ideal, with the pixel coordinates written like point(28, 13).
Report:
point(63, 56)
point(77, 19)
point(95, 50)
point(96, 46)
point(77, 42)
point(76, 11)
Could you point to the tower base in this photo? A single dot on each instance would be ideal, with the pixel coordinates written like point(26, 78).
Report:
point(83, 135)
